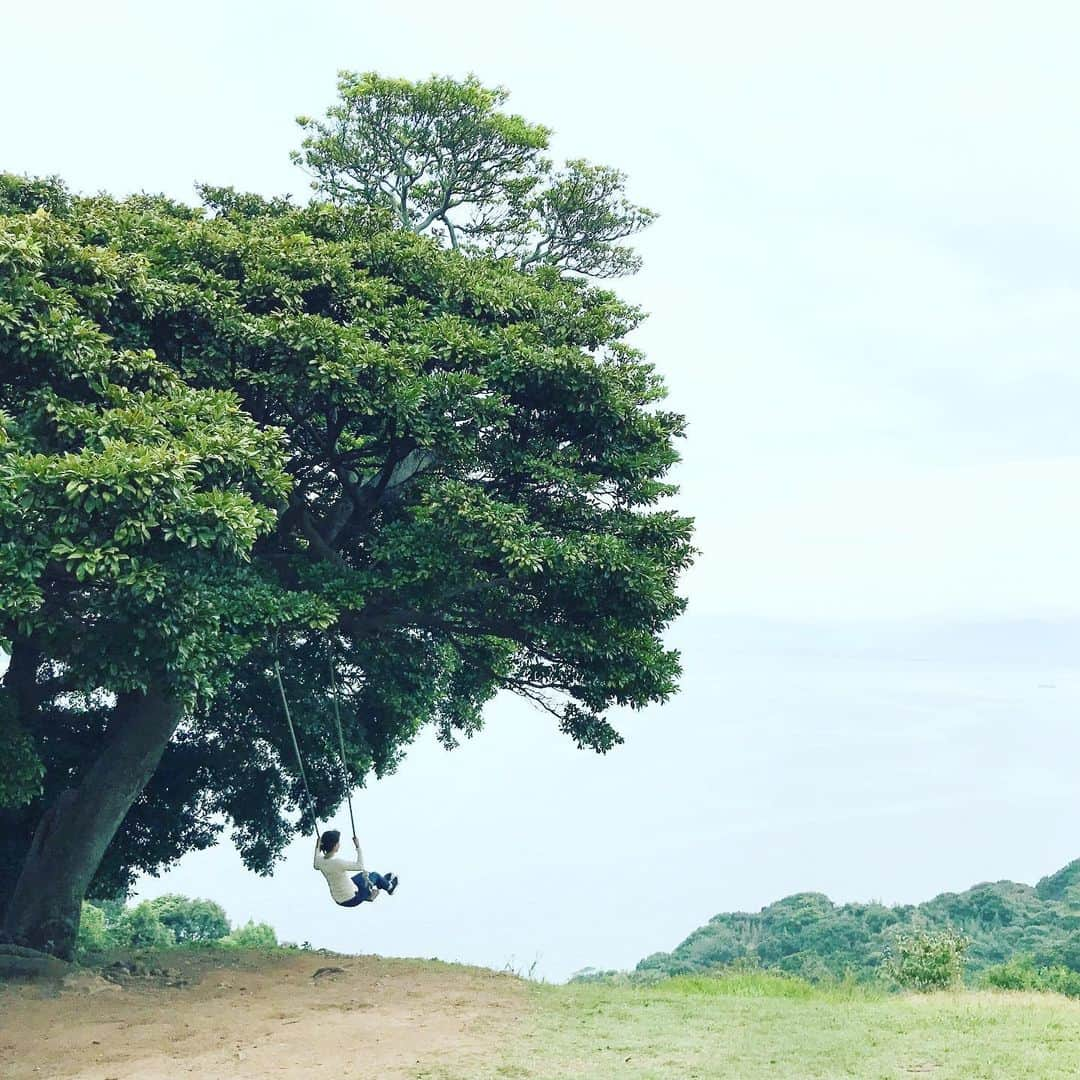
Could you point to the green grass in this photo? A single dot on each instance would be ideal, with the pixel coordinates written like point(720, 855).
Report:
point(748, 1026)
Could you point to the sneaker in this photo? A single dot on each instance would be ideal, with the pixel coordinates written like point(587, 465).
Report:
point(392, 878)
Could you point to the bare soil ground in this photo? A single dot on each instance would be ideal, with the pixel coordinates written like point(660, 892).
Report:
point(250, 1016)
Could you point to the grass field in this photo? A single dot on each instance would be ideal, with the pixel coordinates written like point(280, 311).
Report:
point(750, 1026)
point(296, 1015)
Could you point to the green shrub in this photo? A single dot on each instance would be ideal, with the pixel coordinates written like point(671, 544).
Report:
point(191, 920)
point(93, 935)
point(140, 928)
point(253, 935)
point(1022, 974)
point(111, 907)
point(1017, 974)
point(926, 960)
point(1060, 980)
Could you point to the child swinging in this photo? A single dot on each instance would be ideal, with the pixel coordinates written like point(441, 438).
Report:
point(347, 888)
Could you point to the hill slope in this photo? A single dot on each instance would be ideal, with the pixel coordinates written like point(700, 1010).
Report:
point(230, 1015)
point(808, 935)
point(206, 1013)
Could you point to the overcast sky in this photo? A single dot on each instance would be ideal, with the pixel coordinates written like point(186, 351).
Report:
point(864, 294)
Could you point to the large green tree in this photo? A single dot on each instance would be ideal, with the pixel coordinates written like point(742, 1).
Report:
point(248, 431)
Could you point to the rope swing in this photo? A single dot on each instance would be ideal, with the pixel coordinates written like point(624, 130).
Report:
point(340, 737)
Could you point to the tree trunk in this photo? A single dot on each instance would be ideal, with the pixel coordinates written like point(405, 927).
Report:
point(16, 832)
point(18, 705)
point(75, 831)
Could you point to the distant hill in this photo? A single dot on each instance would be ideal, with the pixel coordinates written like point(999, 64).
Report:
point(808, 935)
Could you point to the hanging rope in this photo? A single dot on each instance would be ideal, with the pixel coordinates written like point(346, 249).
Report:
point(341, 737)
point(296, 746)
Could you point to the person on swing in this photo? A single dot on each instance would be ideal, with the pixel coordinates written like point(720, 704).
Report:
point(349, 889)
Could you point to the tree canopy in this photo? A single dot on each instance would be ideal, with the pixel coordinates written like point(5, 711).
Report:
point(256, 430)
point(191, 919)
point(442, 158)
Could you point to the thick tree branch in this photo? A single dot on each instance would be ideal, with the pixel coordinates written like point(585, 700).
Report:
point(318, 542)
point(20, 679)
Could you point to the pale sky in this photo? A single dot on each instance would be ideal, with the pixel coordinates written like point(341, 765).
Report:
point(865, 295)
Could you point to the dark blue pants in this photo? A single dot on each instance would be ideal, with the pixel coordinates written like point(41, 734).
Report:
point(367, 885)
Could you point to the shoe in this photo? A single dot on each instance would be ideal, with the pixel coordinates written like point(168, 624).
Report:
point(392, 878)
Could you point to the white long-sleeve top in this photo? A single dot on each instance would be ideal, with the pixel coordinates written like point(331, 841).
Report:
point(338, 874)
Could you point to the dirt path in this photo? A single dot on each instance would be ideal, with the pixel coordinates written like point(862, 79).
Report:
point(257, 1017)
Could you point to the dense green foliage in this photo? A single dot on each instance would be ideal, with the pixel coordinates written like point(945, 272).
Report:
point(251, 429)
point(93, 931)
point(808, 935)
point(1023, 974)
point(442, 159)
point(141, 927)
point(129, 499)
point(252, 935)
point(113, 925)
point(163, 922)
point(191, 920)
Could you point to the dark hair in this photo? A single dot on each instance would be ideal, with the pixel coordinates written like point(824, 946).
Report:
point(329, 841)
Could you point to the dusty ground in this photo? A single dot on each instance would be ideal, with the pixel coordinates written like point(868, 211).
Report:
point(253, 1017)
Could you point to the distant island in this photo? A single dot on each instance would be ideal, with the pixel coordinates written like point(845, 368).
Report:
point(810, 936)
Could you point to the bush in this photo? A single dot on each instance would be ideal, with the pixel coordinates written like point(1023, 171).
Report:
point(93, 935)
point(1022, 974)
point(252, 936)
point(111, 907)
point(140, 928)
point(191, 920)
point(926, 960)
